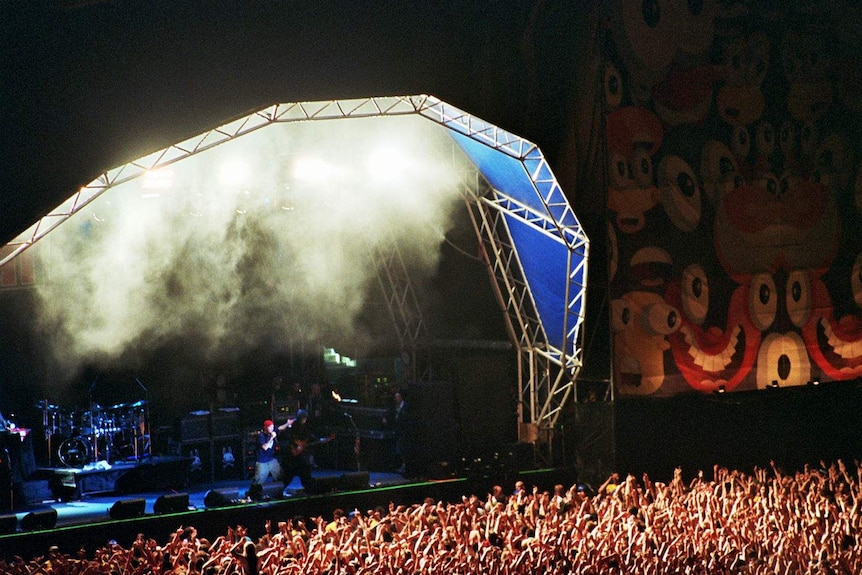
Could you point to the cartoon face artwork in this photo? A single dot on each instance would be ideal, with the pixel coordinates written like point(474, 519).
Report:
point(774, 239)
point(641, 322)
point(633, 135)
point(709, 356)
point(750, 208)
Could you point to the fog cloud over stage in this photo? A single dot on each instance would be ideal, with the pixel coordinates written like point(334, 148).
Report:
point(252, 247)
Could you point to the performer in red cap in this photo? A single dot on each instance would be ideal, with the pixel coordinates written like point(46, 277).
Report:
point(266, 462)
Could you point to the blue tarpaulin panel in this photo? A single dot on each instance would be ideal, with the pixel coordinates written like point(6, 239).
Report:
point(503, 172)
point(544, 264)
point(543, 258)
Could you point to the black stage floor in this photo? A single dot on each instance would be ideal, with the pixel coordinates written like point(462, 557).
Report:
point(87, 507)
point(123, 501)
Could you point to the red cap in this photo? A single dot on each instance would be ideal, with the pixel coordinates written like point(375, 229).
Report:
point(267, 423)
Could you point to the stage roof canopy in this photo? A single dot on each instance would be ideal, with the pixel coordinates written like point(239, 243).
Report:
point(534, 244)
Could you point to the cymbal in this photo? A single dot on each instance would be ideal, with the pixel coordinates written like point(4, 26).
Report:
point(45, 405)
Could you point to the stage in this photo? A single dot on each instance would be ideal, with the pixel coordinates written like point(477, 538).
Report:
point(98, 507)
point(89, 519)
point(71, 507)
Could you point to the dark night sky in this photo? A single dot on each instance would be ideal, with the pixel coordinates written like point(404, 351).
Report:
point(87, 85)
point(90, 85)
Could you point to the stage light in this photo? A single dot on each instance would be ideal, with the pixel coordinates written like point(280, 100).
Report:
point(234, 173)
point(774, 384)
point(310, 169)
point(386, 164)
point(720, 389)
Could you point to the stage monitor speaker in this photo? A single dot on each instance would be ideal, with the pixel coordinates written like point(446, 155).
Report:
point(38, 520)
point(320, 485)
point(171, 503)
point(221, 497)
point(8, 524)
point(355, 480)
point(128, 508)
point(266, 491)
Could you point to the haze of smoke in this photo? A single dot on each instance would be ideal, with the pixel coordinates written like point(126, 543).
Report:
point(264, 261)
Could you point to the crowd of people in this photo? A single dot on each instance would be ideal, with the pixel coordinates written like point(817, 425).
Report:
point(765, 522)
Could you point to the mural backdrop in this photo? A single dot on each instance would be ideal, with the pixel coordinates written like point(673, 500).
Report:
point(734, 194)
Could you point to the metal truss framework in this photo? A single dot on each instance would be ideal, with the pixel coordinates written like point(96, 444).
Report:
point(547, 373)
point(404, 308)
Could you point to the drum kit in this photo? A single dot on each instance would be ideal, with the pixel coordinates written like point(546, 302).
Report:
point(116, 433)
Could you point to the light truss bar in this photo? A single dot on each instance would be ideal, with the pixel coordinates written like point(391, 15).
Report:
point(279, 113)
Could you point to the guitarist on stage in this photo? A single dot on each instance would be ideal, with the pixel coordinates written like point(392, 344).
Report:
point(296, 459)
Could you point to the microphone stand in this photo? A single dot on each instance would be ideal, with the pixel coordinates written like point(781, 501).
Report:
point(145, 432)
point(11, 480)
point(356, 440)
point(93, 431)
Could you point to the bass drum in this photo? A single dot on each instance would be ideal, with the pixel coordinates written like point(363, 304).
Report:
point(74, 452)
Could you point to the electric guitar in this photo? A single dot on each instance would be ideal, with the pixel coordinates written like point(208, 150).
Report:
point(298, 446)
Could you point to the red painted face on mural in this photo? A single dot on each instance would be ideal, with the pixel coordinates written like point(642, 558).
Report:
point(775, 239)
point(710, 357)
point(835, 344)
point(633, 135)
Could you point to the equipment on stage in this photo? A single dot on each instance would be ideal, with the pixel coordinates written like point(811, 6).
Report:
point(298, 446)
point(74, 452)
point(119, 432)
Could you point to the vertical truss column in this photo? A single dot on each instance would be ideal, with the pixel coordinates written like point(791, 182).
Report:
point(544, 382)
point(401, 300)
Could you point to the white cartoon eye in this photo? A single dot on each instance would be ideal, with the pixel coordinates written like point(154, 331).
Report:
point(763, 301)
point(734, 59)
point(661, 319)
point(787, 183)
point(695, 293)
point(622, 315)
point(856, 280)
point(771, 184)
point(833, 162)
point(618, 169)
point(798, 297)
point(642, 168)
point(613, 85)
point(680, 192)
point(718, 169)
